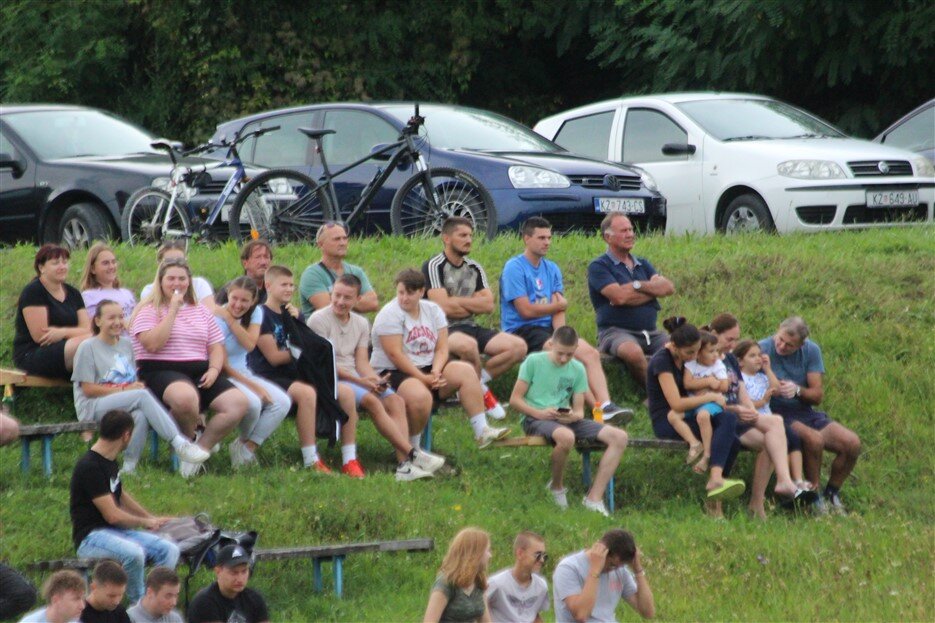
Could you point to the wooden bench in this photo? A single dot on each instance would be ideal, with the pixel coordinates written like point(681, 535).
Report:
point(318, 553)
point(46, 433)
point(585, 448)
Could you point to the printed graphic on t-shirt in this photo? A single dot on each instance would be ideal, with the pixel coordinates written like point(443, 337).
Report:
point(421, 340)
point(236, 617)
point(522, 605)
point(121, 371)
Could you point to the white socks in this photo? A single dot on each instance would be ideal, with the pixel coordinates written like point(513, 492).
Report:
point(479, 423)
point(485, 377)
point(348, 453)
point(310, 455)
point(416, 440)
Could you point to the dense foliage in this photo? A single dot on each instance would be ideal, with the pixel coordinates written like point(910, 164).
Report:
point(180, 67)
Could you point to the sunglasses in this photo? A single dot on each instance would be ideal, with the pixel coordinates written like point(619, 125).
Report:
point(541, 557)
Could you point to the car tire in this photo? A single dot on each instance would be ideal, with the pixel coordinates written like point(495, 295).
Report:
point(82, 224)
point(747, 213)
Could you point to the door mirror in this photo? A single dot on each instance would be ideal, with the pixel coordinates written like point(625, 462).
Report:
point(7, 161)
point(381, 157)
point(678, 149)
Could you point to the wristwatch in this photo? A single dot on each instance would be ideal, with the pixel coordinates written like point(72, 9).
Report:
point(637, 285)
point(798, 390)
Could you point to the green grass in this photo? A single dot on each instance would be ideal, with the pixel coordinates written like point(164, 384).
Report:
point(869, 299)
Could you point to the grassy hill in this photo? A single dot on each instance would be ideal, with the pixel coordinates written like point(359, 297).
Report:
point(868, 297)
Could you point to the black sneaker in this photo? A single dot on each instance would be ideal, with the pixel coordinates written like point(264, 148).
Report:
point(624, 416)
point(834, 504)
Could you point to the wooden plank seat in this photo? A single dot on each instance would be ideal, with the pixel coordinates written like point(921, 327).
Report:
point(334, 554)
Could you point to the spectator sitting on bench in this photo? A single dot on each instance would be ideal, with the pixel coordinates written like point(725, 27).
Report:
point(105, 518)
point(410, 343)
point(158, 603)
point(458, 592)
point(705, 373)
point(519, 594)
point(105, 379)
point(108, 584)
point(533, 304)
point(175, 250)
point(349, 333)
point(64, 597)
point(51, 320)
point(180, 353)
point(318, 279)
point(272, 360)
point(549, 392)
point(229, 598)
point(99, 281)
point(255, 257)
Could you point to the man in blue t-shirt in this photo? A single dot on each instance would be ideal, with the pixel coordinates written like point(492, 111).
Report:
point(798, 364)
point(533, 304)
point(624, 291)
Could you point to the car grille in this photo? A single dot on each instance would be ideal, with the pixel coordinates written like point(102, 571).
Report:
point(624, 182)
point(871, 168)
point(816, 215)
point(859, 214)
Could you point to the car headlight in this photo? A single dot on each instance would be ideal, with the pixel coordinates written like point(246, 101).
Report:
point(648, 180)
point(534, 177)
point(811, 169)
point(923, 167)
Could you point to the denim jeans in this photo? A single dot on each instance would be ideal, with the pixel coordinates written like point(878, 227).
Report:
point(131, 548)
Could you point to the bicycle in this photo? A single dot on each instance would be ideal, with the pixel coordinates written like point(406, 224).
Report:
point(419, 207)
point(171, 210)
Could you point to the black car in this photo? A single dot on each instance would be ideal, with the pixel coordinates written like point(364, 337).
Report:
point(66, 172)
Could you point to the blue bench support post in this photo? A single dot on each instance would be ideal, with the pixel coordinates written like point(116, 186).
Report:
point(427, 434)
point(586, 477)
point(316, 564)
point(24, 456)
point(47, 454)
point(154, 450)
point(339, 576)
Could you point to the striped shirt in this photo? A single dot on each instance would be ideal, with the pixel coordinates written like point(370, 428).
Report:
point(458, 281)
point(193, 331)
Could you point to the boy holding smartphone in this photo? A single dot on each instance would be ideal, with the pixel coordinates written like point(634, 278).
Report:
point(549, 392)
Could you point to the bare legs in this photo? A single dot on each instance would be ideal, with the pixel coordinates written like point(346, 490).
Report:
point(616, 441)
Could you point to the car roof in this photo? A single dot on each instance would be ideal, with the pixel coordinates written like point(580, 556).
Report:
point(17, 108)
point(670, 98)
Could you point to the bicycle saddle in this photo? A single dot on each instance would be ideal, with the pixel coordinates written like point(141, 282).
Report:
point(312, 133)
point(163, 144)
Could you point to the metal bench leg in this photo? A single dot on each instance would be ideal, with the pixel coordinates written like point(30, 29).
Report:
point(47, 455)
point(175, 461)
point(24, 456)
point(316, 565)
point(586, 469)
point(610, 494)
point(427, 434)
point(339, 576)
point(153, 444)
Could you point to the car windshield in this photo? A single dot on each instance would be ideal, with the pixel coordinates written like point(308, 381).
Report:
point(55, 134)
point(468, 128)
point(749, 119)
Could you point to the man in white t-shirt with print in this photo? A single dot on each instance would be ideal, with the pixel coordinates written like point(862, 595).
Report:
point(519, 594)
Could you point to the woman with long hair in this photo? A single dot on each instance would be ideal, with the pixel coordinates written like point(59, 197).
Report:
point(458, 593)
point(99, 281)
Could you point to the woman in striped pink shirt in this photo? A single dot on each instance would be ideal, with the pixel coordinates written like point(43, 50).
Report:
point(180, 353)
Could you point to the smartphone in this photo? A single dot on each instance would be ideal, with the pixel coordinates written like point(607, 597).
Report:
point(563, 410)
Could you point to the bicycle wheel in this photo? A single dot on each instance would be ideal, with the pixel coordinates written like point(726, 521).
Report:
point(280, 206)
point(143, 218)
point(414, 213)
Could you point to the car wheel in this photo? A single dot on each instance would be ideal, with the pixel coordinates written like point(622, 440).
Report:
point(746, 213)
point(82, 224)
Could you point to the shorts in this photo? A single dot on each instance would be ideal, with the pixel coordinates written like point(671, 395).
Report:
point(610, 339)
point(398, 376)
point(804, 415)
point(534, 335)
point(361, 392)
point(711, 407)
point(284, 382)
point(482, 335)
point(46, 361)
point(158, 375)
point(584, 430)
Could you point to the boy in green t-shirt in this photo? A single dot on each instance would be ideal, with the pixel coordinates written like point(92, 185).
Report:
point(549, 392)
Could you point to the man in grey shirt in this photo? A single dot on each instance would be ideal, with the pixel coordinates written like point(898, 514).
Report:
point(589, 584)
point(158, 603)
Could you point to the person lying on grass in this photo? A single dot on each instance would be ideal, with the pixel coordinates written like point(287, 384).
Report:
point(549, 392)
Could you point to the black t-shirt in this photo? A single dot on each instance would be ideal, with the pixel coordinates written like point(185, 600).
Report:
point(210, 605)
point(61, 313)
point(273, 325)
point(661, 362)
point(93, 477)
point(117, 615)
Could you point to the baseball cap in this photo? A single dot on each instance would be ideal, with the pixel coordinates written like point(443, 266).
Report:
point(231, 556)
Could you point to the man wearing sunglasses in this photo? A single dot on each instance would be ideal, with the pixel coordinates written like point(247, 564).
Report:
point(519, 594)
point(588, 584)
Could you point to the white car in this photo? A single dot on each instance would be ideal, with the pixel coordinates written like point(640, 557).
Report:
point(736, 162)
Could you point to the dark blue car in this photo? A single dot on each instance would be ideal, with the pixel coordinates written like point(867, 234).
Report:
point(524, 173)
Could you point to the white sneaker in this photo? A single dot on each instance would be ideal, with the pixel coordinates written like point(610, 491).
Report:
point(240, 455)
point(199, 432)
point(189, 470)
point(561, 500)
point(408, 471)
point(428, 462)
point(193, 453)
point(491, 435)
point(129, 468)
point(597, 507)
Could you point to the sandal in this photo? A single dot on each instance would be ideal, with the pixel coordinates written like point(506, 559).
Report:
point(695, 451)
point(702, 465)
point(727, 491)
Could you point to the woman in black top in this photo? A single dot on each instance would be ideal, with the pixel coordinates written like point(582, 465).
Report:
point(666, 392)
point(50, 318)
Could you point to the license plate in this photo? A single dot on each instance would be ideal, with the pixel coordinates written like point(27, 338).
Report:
point(616, 204)
point(892, 198)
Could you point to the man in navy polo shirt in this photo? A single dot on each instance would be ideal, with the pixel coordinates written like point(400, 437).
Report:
point(624, 290)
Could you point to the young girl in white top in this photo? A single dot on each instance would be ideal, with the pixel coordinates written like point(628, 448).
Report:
point(239, 320)
point(99, 281)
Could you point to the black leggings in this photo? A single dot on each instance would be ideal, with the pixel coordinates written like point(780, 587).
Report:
point(723, 438)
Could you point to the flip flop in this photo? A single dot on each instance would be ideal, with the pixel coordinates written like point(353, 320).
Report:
point(728, 491)
point(695, 452)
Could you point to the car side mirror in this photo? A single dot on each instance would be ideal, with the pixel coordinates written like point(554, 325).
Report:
point(678, 149)
point(7, 161)
point(381, 157)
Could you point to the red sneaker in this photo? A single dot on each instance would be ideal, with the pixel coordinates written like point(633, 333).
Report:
point(320, 467)
point(353, 469)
